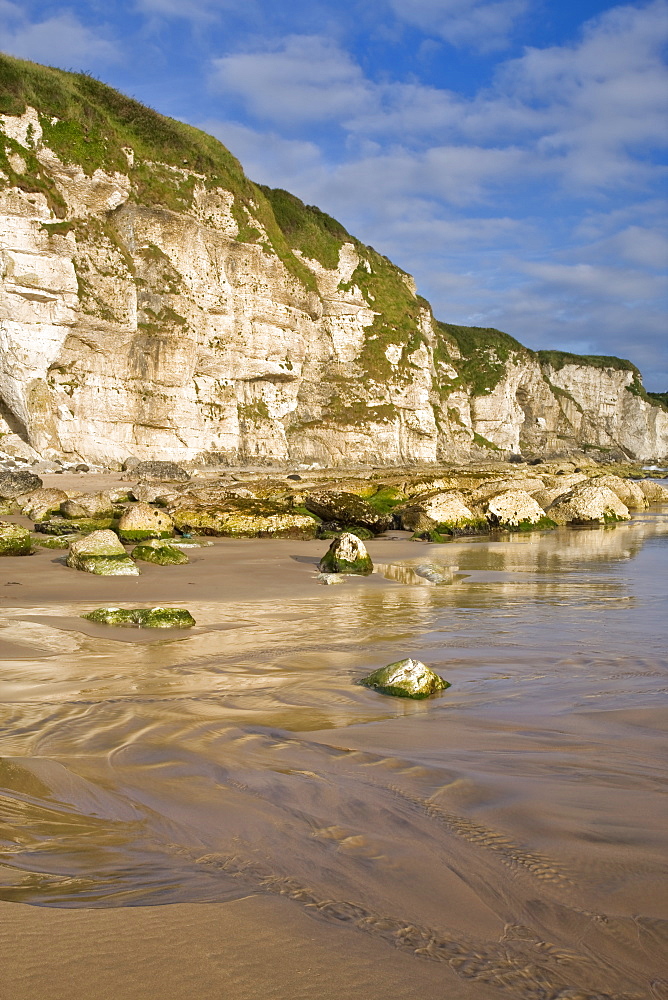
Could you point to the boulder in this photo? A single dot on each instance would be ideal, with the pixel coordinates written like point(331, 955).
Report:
point(518, 511)
point(155, 493)
point(88, 505)
point(241, 518)
point(447, 510)
point(54, 541)
point(160, 553)
point(13, 484)
point(653, 492)
point(101, 553)
point(42, 502)
point(142, 521)
point(14, 540)
point(492, 488)
point(405, 679)
point(347, 508)
point(588, 504)
point(628, 491)
point(166, 472)
point(347, 554)
point(144, 617)
point(80, 526)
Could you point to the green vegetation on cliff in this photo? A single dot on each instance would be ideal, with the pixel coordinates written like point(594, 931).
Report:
point(484, 355)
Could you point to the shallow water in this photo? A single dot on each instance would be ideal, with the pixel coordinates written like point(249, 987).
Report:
point(511, 828)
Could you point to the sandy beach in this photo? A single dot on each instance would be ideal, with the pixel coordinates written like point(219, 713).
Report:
point(222, 811)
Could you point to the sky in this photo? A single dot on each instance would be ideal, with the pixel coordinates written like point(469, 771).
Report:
point(510, 154)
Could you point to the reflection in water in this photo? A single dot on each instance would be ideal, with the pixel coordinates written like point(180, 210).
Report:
point(510, 827)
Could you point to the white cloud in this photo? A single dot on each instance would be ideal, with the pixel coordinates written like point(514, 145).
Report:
point(60, 40)
point(480, 24)
point(305, 78)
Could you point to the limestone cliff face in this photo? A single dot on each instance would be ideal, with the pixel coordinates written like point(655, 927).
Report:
point(199, 319)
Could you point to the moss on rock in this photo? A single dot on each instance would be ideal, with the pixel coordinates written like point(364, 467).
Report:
point(159, 554)
point(102, 554)
point(242, 518)
point(347, 554)
point(405, 679)
point(143, 617)
point(14, 540)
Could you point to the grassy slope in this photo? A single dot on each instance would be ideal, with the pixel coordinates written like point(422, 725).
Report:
point(95, 123)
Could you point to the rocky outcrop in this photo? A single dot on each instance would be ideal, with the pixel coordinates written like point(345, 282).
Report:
point(155, 303)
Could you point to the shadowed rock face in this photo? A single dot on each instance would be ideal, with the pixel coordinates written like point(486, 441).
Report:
point(165, 309)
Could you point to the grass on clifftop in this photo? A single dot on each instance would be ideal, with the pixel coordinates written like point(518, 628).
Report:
point(485, 354)
point(558, 360)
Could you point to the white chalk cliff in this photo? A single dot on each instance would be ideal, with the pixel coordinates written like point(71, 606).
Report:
point(151, 308)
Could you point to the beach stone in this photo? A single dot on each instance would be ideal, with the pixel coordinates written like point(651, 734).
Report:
point(159, 553)
point(88, 505)
point(54, 541)
point(405, 679)
point(446, 511)
point(141, 521)
point(155, 493)
point(628, 491)
point(101, 553)
point(162, 471)
point(80, 526)
point(144, 617)
point(14, 540)
point(653, 492)
point(493, 488)
point(588, 504)
point(241, 518)
point(42, 502)
point(131, 462)
point(347, 508)
point(347, 554)
point(517, 510)
point(14, 484)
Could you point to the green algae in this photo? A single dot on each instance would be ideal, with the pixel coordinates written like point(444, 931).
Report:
point(143, 617)
point(14, 540)
point(331, 563)
point(160, 555)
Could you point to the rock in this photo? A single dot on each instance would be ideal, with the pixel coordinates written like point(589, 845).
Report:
point(446, 512)
point(55, 541)
point(142, 521)
point(101, 553)
point(587, 504)
point(82, 467)
point(14, 540)
point(629, 492)
point(653, 492)
point(130, 463)
point(517, 510)
point(347, 508)
point(155, 493)
point(168, 472)
point(42, 502)
point(144, 617)
point(405, 679)
point(491, 489)
point(240, 518)
point(88, 505)
point(159, 553)
point(80, 526)
point(13, 484)
point(347, 554)
point(293, 476)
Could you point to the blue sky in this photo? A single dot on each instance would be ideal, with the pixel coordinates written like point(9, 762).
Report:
point(508, 153)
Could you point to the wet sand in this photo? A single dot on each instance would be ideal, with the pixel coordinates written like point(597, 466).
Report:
point(223, 812)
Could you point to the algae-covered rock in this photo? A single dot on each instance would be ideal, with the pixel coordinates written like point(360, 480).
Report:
point(347, 554)
point(101, 553)
point(167, 472)
point(242, 518)
point(54, 541)
point(405, 679)
point(141, 521)
point(587, 504)
point(143, 617)
point(347, 508)
point(14, 484)
point(160, 553)
point(14, 540)
point(445, 512)
point(40, 503)
point(517, 511)
point(88, 505)
point(80, 526)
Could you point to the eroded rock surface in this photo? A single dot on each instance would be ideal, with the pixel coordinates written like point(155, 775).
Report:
point(406, 679)
point(101, 553)
point(347, 554)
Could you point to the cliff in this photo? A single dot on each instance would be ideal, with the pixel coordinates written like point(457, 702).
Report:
point(155, 302)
